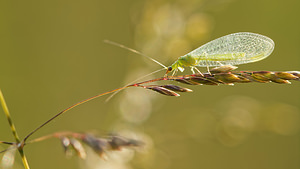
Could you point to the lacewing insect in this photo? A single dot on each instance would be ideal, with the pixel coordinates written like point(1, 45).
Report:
point(233, 49)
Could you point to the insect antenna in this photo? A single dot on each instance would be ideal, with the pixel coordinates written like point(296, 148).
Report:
point(134, 51)
point(134, 82)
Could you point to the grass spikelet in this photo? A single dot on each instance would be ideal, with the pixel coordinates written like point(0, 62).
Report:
point(66, 144)
point(295, 73)
point(98, 145)
point(187, 81)
point(118, 142)
point(285, 75)
point(203, 80)
point(78, 148)
point(162, 90)
point(176, 88)
point(263, 76)
point(227, 78)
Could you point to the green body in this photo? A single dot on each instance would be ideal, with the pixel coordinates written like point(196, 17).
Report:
point(192, 61)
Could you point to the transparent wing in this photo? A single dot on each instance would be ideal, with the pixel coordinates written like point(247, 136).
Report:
point(234, 49)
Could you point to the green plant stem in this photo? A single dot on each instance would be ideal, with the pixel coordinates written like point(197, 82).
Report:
point(14, 131)
point(7, 114)
point(24, 159)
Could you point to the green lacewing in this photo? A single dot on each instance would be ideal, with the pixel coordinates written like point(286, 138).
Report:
point(233, 49)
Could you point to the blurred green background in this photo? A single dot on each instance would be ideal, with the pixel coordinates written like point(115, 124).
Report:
point(52, 55)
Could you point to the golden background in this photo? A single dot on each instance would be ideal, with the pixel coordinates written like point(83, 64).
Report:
point(52, 55)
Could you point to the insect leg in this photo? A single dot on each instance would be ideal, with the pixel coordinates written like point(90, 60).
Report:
point(208, 69)
point(192, 69)
point(197, 71)
point(205, 54)
point(220, 63)
point(174, 72)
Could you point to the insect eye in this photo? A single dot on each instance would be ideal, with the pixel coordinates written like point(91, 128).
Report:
point(170, 68)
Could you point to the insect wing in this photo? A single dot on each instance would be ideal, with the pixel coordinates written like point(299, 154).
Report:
point(234, 49)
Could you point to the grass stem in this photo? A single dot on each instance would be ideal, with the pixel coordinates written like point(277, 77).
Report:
point(14, 131)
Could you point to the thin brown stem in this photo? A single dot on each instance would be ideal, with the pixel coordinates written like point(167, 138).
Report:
point(5, 142)
point(89, 99)
point(55, 135)
point(69, 108)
